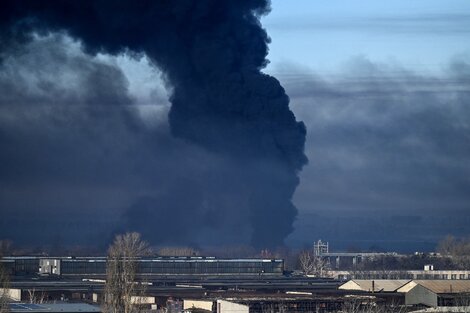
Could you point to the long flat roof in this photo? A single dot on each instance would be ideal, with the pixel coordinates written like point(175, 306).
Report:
point(444, 286)
point(54, 308)
point(170, 259)
point(152, 258)
point(374, 285)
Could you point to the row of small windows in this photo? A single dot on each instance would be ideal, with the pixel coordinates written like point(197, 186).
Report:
point(70, 267)
point(442, 276)
point(177, 268)
point(23, 266)
point(405, 276)
point(83, 267)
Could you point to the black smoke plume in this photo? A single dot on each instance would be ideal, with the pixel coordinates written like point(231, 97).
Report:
point(211, 53)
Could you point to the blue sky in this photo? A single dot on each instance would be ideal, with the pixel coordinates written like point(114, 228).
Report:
point(381, 87)
point(419, 34)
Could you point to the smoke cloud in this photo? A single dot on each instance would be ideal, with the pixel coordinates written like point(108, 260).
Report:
point(229, 169)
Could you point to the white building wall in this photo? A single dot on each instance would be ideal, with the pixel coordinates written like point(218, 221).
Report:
point(142, 300)
point(231, 307)
point(13, 294)
point(49, 266)
point(198, 304)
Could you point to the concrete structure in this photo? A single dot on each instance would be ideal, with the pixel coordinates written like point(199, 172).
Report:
point(224, 306)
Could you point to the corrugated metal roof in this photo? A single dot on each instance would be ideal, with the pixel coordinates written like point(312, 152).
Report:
point(385, 285)
point(445, 286)
point(407, 287)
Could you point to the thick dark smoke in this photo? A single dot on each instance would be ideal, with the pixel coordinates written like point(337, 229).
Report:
point(211, 53)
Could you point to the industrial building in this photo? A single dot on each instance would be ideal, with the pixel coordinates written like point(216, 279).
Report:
point(430, 293)
point(437, 292)
point(382, 285)
point(337, 259)
point(265, 303)
point(20, 266)
point(225, 285)
point(156, 266)
point(402, 274)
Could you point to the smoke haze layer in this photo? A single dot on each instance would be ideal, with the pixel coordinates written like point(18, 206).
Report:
point(232, 169)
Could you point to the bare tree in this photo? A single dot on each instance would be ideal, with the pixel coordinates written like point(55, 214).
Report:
point(5, 247)
point(462, 301)
point(306, 261)
point(458, 250)
point(351, 306)
point(312, 264)
point(279, 307)
point(36, 296)
point(447, 245)
point(369, 305)
point(4, 288)
point(122, 293)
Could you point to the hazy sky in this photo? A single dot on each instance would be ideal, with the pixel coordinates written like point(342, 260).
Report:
point(383, 88)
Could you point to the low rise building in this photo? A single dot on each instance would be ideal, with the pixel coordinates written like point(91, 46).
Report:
point(402, 274)
point(430, 293)
point(381, 285)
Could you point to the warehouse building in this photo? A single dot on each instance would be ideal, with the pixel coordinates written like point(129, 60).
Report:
point(437, 292)
point(266, 303)
point(20, 266)
point(402, 274)
point(381, 285)
point(156, 266)
point(166, 266)
point(431, 293)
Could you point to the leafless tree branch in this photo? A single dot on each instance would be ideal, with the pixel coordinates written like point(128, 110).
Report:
point(122, 293)
point(4, 287)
